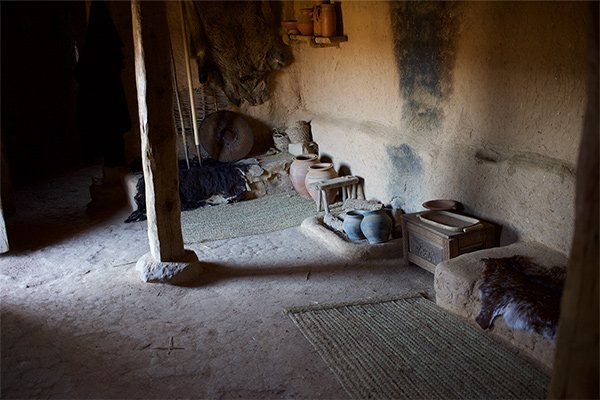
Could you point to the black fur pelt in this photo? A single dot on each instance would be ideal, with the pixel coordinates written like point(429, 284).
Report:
point(198, 184)
point(527, 295)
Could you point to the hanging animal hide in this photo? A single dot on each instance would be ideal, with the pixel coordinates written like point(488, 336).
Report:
point(236, 46)
point(525, 294)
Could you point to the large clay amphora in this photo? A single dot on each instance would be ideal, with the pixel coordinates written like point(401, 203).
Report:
point(318, 173)
point(376, 226)
point(298, 171)
point(351, 225)
point(327, 20)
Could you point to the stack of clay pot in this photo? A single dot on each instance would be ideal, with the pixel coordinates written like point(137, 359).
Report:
point(307, 169)
point(375, 225)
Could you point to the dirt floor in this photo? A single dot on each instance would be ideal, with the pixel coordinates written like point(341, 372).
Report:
point(77, 322)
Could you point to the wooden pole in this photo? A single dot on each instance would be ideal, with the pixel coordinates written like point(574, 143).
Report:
point(188, 72)
point(575, 372)
point(179, 112)
point(167, 261)
point(157, 129)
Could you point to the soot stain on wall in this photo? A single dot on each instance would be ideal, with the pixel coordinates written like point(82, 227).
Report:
point(424, 45)
point(406, 175)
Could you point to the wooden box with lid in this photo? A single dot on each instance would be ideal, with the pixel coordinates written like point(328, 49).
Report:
point(431, 237)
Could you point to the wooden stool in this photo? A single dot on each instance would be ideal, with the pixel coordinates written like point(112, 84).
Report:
point(350, 185)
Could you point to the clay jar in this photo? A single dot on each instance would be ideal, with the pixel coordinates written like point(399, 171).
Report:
point(327, 20)
point(376, 226)
point(317, 19)
point(298, 171)
point(351, 225)
point(318, 173)
point(305, 21)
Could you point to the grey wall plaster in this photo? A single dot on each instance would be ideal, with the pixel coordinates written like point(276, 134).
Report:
point(405, 180)
point(424, 46)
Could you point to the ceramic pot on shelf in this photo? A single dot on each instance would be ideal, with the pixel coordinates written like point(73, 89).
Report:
point(318, 173)
point(306, 14)
point(317, 19)
point(305, 28)
point(376, 226)
point(298, 171)
point(327, 20)
point(351, 225)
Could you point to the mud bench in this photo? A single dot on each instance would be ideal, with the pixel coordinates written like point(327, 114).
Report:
point(457, 282)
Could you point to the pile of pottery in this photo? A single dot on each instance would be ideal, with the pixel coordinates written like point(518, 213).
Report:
point(307, 169)
point(319, 20)
point(373, 225)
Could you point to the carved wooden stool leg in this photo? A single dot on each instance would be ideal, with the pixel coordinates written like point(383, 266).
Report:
point(361, 192)
point(325, 205)
point(319, 191)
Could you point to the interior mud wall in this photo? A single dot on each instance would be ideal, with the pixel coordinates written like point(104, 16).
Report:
point(481, 102)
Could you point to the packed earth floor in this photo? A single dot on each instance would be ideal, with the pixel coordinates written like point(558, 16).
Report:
point(77, 322)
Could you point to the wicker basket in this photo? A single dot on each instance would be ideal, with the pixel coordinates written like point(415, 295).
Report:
point(299, 132)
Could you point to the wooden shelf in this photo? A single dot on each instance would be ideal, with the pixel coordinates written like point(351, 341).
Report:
point(318, 41)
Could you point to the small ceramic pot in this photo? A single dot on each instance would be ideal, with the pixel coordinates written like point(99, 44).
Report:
point(289, 26)
point(305, 28)
point(318, 173)
point(376, 226)
point(351, 225)
point(298, 171)
point(306, 15)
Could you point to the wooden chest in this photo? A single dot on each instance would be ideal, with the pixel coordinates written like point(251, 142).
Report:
point(427, 245)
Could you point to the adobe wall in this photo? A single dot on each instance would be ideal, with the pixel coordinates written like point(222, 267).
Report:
point(478, 102)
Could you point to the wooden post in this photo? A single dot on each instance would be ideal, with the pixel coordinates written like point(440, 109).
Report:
point(167, 260)
point(3, 233)
point(575, 372)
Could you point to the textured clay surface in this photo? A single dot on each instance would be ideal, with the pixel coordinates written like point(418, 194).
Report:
point(77, 321)
point(457, 284)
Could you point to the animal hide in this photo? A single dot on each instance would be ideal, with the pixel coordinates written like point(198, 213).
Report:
point(525, 294)
point(236, 46)
point(199, 183)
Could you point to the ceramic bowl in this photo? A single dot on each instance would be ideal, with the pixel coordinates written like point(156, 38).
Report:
point(442, 205)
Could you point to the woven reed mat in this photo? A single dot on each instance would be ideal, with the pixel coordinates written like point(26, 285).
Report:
point(411, 349)
point(251, 217)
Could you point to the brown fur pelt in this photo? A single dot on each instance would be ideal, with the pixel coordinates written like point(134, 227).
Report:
point(527, 295)
point(236, 45)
